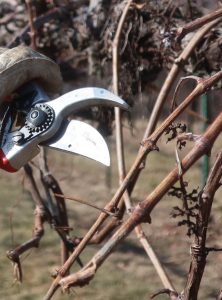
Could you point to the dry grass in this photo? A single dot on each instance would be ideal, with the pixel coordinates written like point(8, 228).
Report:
point(128, 273)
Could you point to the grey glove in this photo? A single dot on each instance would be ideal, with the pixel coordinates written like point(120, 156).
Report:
point(22, 64)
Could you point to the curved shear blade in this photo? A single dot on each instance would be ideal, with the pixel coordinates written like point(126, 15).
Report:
point(81, 138)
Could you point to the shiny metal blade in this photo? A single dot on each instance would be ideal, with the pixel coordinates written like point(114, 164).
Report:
point(81, 138)
point(85, 97)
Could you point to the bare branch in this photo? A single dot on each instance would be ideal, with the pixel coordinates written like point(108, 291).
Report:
point(147, 147)
point(38, 231)
point(50, 184)
point(121, 160)
point(37, 23)
point(144, 208)
point(31, 23)
point(172, 295)
point(88, 204)
point(169, 81)
point(183, 31)
point(181, 60)
point(199, 249)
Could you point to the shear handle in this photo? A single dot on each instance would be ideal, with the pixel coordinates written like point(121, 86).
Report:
point(85, 97)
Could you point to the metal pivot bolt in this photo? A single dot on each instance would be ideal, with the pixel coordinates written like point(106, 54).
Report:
point(36, 117)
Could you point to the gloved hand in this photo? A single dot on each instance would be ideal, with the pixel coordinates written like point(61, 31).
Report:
point(22, 64)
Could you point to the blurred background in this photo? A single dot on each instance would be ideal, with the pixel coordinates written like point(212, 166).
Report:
point(78, 35)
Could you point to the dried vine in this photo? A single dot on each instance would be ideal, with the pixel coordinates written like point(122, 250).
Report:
point(148, 146)
point(140, 40)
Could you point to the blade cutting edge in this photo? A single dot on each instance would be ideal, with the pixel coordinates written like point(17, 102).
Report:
point(81, 138)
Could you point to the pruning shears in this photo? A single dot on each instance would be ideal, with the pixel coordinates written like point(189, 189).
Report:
point(32, 121)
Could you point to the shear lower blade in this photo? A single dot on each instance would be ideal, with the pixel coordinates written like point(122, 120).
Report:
point(81, 138)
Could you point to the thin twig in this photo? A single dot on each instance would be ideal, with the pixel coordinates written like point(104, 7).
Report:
point(24, 35)
point(38, 232)
point(176, 67)
point(189, 27)
point(31, 24)
point(173, 295)
point(88, 204)
point(110, 226)
point(40, 203)
point(121, 160)
point(50, 184)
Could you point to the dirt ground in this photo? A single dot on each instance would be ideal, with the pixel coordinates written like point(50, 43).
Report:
point(128, 273)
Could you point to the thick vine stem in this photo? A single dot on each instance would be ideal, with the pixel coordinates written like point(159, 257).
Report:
point(168, 83)
point(147, 146)
point(144, 208)
point(199, 251)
